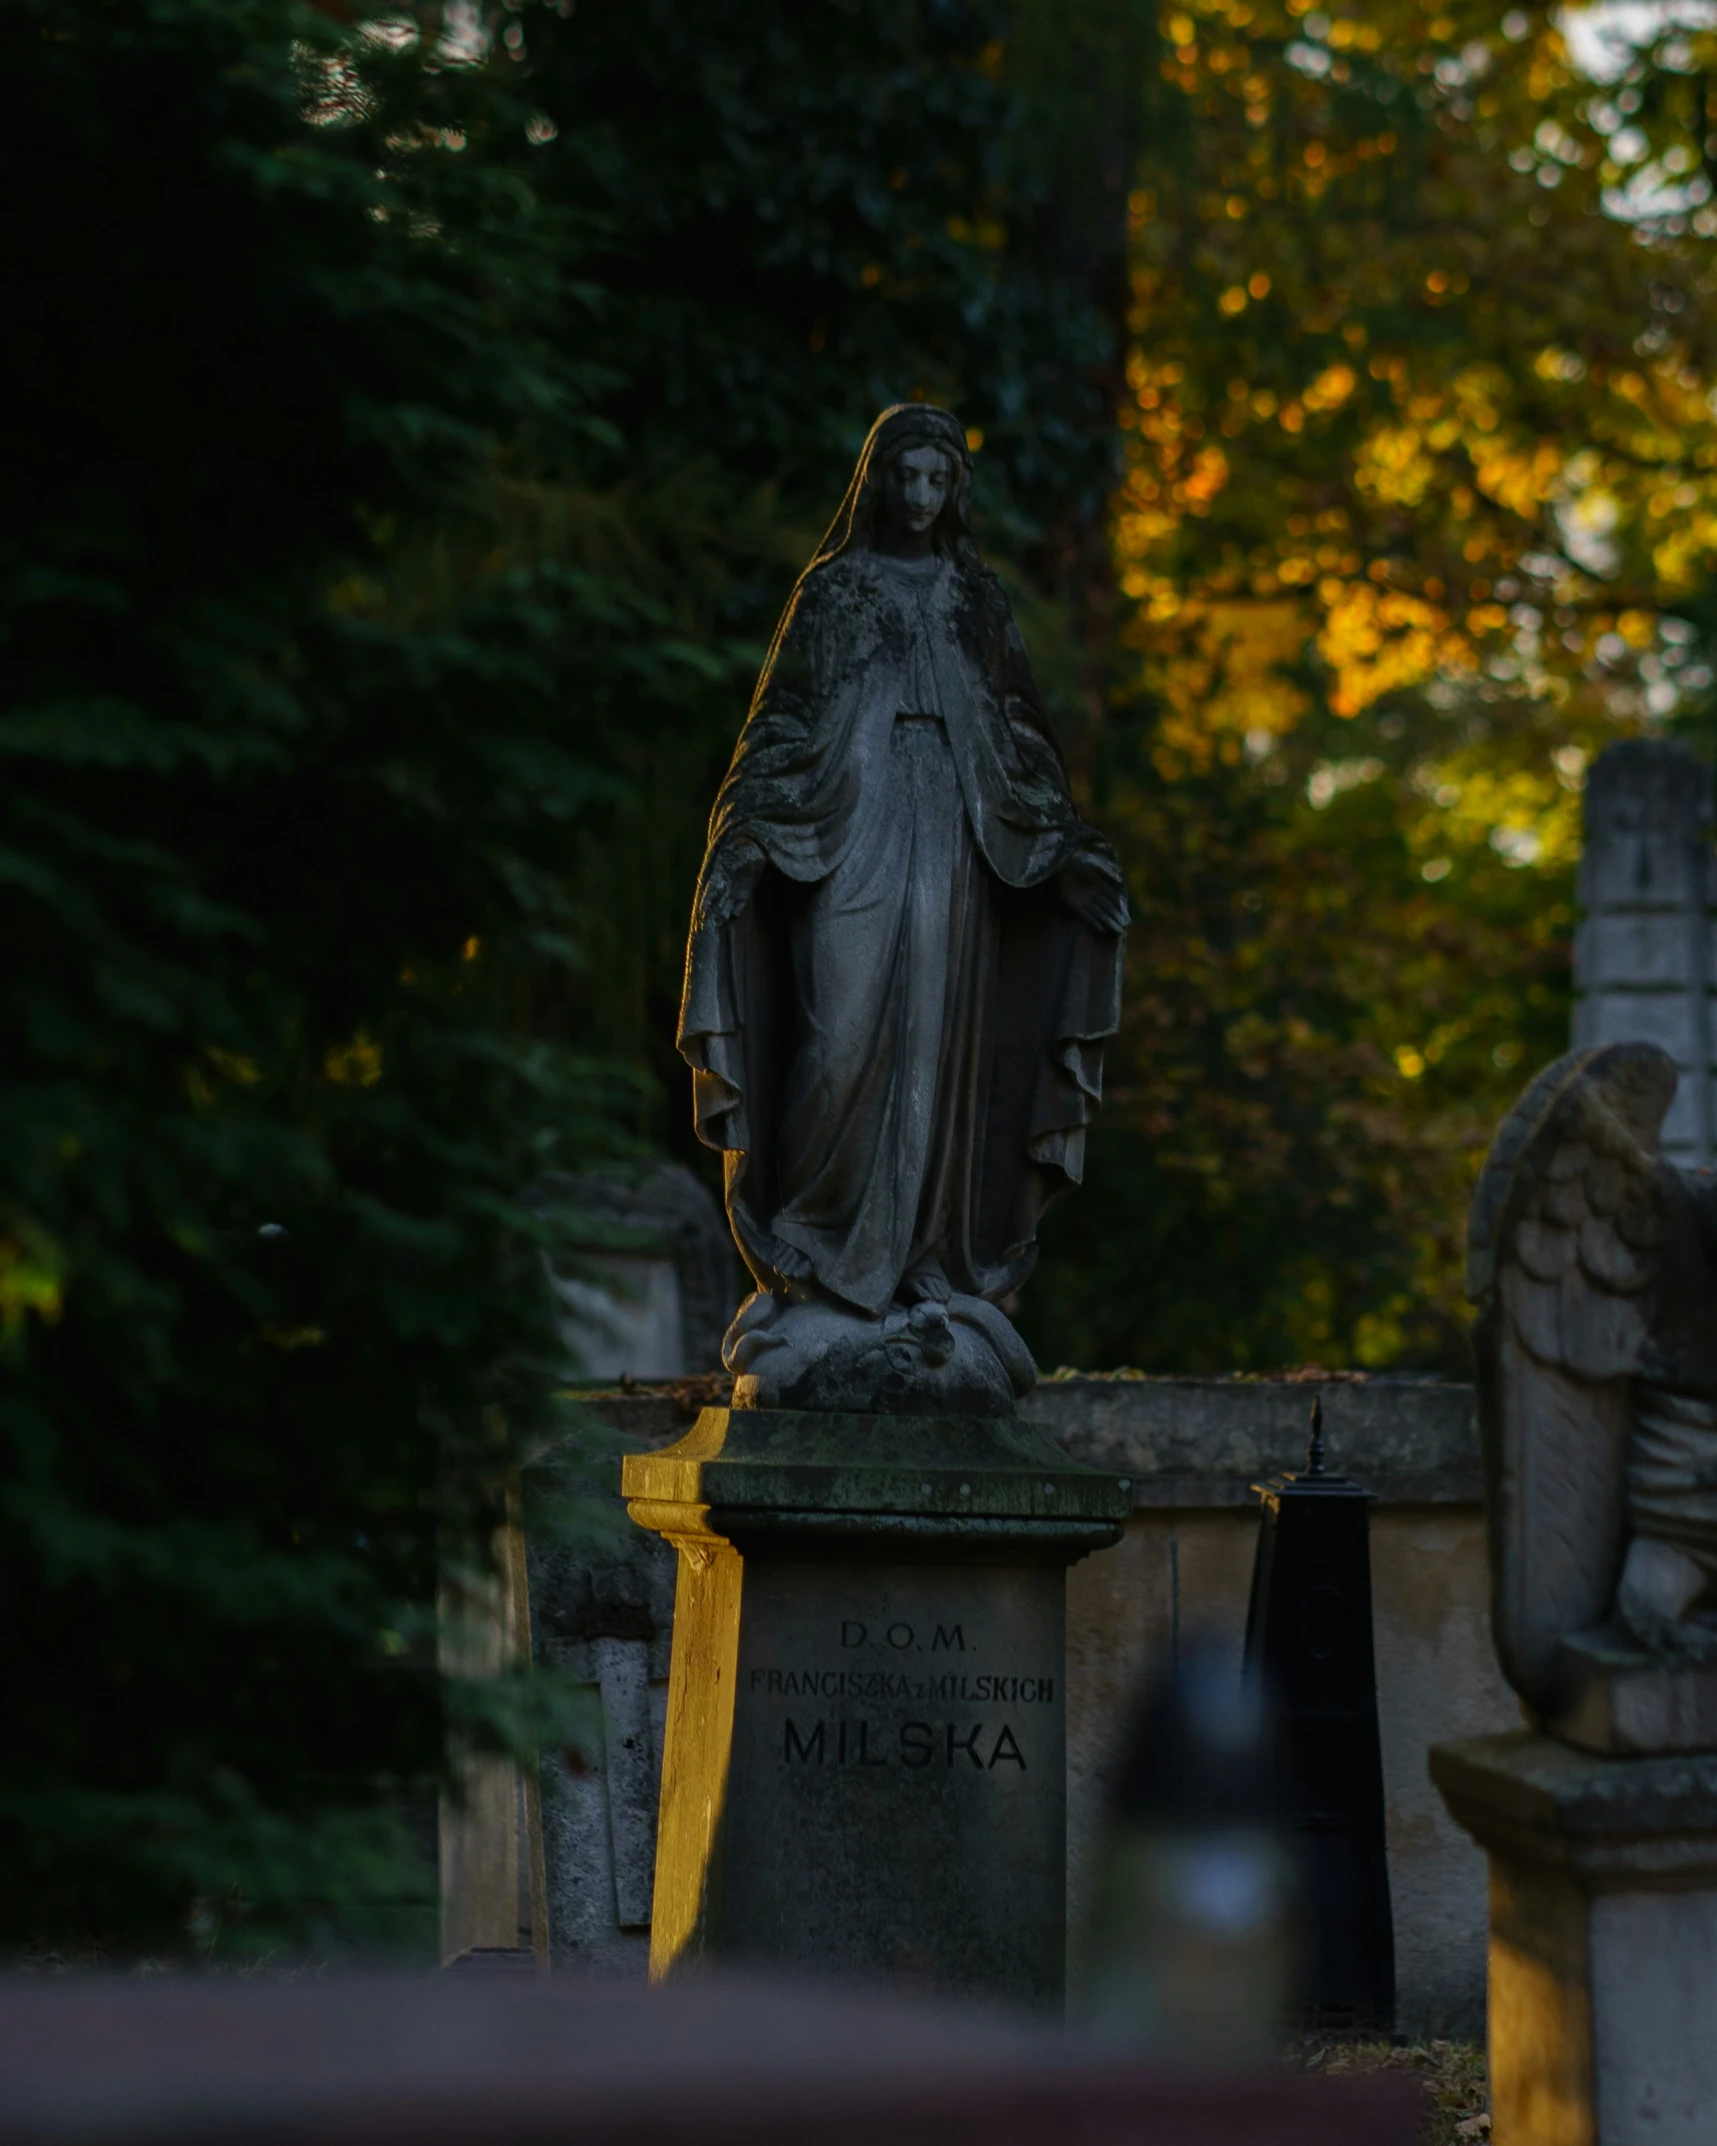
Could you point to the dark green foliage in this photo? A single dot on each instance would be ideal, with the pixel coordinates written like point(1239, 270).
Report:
point(802, 211)
point(275, 831)
point(817, 210)
point(417, 454)
point(1258, 1189)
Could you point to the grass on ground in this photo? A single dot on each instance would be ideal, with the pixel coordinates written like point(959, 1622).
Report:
point(1453, 2074)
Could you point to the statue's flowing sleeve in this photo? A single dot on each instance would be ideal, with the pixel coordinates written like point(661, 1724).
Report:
point(789, 799)
point(1059, 981)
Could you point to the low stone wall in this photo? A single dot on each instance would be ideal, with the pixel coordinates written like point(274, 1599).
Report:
point(1192, 1449)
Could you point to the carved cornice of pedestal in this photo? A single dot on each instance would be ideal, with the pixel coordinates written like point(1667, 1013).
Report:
point(1611, 1824)
point(957, 1487)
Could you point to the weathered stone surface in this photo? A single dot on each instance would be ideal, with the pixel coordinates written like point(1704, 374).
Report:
point(1178, 1573)
point(1191, 1442)
point(644, 1273)
point(586, 1933)
point(1620, 1699)
point(1589, 1255)
point(1202, 1442)
point(1633, 951)
point(1605, 1821)
point(897, 1791)
point(955, 1478)
point(1671, 1021)
point(1603, 1945)
point(1643, 963)
point(602, 1614)
point(1647, 827)
point(865, 1764)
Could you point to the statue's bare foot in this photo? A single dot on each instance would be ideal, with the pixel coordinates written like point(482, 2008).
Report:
point(926, 1284)
point(1661, 1585)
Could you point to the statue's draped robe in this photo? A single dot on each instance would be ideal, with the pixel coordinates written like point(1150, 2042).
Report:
point(896, 1041)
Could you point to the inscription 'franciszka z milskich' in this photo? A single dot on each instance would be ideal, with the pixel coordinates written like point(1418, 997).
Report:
point(892, 1684)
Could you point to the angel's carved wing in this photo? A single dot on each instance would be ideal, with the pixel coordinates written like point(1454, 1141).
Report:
point(1561, 1260)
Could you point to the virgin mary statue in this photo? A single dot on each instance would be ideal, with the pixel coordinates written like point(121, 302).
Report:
point(905, 955)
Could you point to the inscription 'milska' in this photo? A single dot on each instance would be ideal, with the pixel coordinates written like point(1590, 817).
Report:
point(917, 1744)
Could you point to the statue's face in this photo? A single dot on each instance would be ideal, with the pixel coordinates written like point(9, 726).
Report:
point(915, 488)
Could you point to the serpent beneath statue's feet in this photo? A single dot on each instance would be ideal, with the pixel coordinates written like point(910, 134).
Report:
point(961, 1357)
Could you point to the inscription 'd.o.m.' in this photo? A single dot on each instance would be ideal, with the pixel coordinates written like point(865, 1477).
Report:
point(905, 1638)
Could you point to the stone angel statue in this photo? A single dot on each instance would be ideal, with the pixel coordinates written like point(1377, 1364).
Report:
point(1594, 1264)
point(905, 955)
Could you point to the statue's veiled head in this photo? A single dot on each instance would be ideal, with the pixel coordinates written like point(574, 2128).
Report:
point(916, 483)
point(911, 489)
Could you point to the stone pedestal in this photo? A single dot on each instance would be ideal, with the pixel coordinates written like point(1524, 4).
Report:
point(1603, 1939)
point(865, 1763)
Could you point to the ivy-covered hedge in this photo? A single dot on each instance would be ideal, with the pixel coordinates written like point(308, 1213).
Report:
point(282, 816)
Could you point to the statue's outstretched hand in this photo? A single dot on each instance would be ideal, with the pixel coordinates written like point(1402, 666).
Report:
point(733, 873)
point(1093, 890)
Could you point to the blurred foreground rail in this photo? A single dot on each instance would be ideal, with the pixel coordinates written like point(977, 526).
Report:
point(357, 2061)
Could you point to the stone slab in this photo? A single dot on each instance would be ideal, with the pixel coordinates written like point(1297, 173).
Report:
point(1603, 1939)
point(1607, 1820)
point(1189, 1442)
point(970, 1484)
point(1197, 1442)
point(1670, 1019)
point(1633, 951)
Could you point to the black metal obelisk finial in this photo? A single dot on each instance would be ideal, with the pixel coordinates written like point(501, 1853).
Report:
point(1309, 1632)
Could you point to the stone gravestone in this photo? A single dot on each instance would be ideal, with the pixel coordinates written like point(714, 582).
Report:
point(905, 955)
point(1642, 955)
point(601, 1614)
point(1594, 1263)
point(642, 1280)
point(644, 1285)
point(643, 1291)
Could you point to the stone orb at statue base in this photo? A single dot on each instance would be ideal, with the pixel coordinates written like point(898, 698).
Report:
point(864, 1771)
